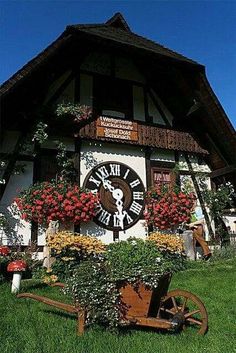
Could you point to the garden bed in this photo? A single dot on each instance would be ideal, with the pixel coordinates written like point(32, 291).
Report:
point(28, 326)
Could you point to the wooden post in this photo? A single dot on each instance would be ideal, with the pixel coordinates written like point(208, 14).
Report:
point(81, 322)
point(115, 235)
point(51, 230)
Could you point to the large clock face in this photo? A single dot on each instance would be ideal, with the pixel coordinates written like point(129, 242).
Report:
point(121, 194)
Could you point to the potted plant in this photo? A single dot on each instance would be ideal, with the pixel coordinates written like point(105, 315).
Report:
point(166, 208)
point(102, 285)
point(69, 249)
point(77, 113)
point(56, 201)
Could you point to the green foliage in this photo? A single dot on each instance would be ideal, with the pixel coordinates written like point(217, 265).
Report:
point(40, 135)
point(29, 326)
point(218, 200)
point(4, 260)
point(136, 259)
point(66, 164)
point(64, 269)
point(224, 253)
point(93, 288)
point(3, 222)
point(39, 272)
point(77, 111)
point(96, 281)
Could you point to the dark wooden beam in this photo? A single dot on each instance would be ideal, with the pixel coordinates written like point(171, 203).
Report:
point(222, 171)
point(12, 162)
point(199, 195)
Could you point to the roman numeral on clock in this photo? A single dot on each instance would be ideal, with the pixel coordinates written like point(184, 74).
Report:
point(135, 183)
point(128, 218)
point(95, 181)
point(104, 217)
point(102, 173)
point(114, 169)
point(126, 173)
point(136, 207)
point(137, 195)
point(116, 221)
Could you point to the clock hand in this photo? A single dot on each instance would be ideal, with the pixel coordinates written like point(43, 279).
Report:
point(117, 194)
point(107, 185)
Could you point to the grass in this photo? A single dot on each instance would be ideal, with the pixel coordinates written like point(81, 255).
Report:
point(27, 326)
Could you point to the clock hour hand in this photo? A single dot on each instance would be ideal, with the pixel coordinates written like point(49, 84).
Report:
point(117, 194)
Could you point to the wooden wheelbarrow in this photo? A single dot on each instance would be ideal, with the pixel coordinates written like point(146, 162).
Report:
point(158, 308)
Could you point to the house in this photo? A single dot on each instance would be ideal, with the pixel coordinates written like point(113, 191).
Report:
point(153, 109)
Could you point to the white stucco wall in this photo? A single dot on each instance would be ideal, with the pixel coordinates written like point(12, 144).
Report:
point(93, 154)
point(20, 230)
point(230, 220)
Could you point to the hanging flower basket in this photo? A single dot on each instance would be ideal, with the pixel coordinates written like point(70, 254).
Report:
point(79, 112)
point(61, 201)
point(166, 209)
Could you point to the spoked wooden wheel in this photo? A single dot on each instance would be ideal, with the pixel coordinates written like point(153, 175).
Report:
point(184, 309)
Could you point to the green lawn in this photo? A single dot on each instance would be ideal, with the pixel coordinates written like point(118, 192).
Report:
point(27, 326)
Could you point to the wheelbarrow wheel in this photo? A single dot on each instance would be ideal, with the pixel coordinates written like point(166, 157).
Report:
point(184, 309)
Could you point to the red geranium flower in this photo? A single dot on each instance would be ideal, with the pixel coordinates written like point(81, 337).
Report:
point(167, 208)
point(66, 202)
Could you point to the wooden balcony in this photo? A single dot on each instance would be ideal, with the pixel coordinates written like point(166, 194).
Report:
point(145, 135)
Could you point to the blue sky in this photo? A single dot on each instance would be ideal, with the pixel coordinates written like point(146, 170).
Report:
point(204, 31)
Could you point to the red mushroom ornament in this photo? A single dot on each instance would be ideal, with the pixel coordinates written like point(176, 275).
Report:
point(4, 250)
point(17, 267)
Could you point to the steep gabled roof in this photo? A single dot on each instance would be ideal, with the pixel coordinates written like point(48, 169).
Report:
point(118, 21)
point(115, 30)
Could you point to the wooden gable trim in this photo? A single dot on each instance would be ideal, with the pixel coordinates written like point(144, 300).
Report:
point(118, 21)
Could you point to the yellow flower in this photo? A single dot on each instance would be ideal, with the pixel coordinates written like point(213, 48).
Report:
point(167, 242)
point(50, 279)
point(75, 242)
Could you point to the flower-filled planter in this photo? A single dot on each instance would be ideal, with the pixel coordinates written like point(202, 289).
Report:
point(69, 249)
point(106, 285)
point(76, 113)
point(166, 209)
point(62, 201)
point(79, 112)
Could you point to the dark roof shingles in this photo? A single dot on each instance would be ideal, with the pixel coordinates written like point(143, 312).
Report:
point(131, 39)
point(101, 30)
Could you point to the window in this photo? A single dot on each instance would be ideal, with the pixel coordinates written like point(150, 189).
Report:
point(162, 177)
point(114, 96)
point(48, 167)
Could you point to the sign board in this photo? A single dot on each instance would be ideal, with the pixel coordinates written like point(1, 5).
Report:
point(116, 129)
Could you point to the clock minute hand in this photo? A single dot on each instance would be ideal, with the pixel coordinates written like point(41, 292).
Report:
point(117, 194)
point(107, 185)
